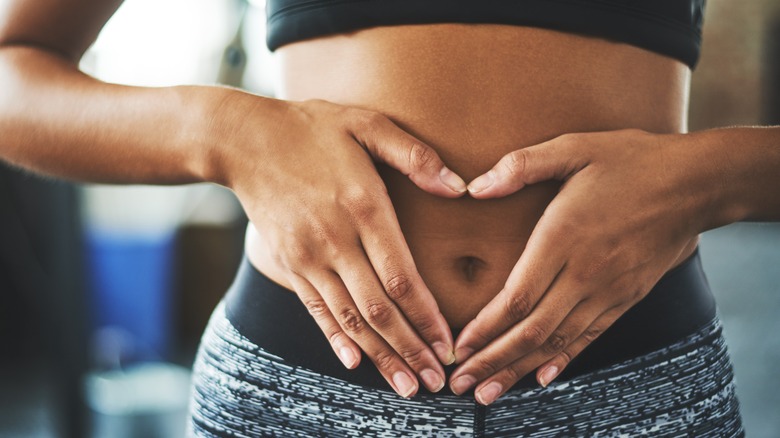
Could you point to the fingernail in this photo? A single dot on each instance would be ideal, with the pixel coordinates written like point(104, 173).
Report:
point(347, 357)
point(481, 183)
point(446, 356)
point(547, 375)
point(489, 393)
point(432, 379)
point(462, 383)
point(463, 353)
point(451, 180)
point(404, 383)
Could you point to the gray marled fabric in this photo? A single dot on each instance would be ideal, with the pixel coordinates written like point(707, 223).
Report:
point(686, 389)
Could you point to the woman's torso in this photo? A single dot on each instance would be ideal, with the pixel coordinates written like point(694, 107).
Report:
point(474, 92)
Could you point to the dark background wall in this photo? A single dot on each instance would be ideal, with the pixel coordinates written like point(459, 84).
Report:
point(42, 303)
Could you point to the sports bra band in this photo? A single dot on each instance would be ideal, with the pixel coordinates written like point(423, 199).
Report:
point(668, 27)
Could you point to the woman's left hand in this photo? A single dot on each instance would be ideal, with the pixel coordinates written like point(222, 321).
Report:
point(630, 204)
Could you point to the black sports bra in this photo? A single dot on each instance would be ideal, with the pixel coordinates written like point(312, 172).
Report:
point(668, 27)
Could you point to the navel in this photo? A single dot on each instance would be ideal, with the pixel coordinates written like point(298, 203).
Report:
point(470, 266)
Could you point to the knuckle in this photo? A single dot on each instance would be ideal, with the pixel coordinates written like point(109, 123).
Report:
point(518, 306)
point(581, 276)
point(276, 258)
point(422, 324)
point(533, 336)
point(596, 267)
point(324, 232)
point(299, 254)
point(591, 333)
point(316, 307)
point(365, 119)
point(399, 287)
point(485, 366)
point(584, 276)
point(514, 162)
point(361, 117)
point(351, 320)
point(556, 342)
point(360, 203)
point(484, 333)
point(384, 359)
point(599, 266)
point(379, 313)
point(637, 293)
point(513, 373)
point(420, 156)
point(412, 357)
point(375, 118)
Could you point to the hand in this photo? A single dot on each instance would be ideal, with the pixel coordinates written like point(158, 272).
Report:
point(312, 190)
point(626, 211)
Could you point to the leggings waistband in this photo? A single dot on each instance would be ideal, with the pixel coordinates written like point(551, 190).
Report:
point(274, 319)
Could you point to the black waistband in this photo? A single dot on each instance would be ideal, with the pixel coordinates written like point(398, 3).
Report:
point(273, 318)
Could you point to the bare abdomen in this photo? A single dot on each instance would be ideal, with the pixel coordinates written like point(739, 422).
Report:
point(474, 93)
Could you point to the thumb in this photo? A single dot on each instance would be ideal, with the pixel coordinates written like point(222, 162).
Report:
point(388, 143)
point(557, 159)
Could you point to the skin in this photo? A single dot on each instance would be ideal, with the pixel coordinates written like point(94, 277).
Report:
point(596, 264)
point(387, 261)
point(335, 234)
point(532, 85)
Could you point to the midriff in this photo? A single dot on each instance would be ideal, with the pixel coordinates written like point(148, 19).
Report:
point(475, 92)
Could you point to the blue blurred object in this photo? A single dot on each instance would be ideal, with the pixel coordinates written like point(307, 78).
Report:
point(132, 284)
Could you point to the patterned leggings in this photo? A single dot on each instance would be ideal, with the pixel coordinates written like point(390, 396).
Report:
point(684, 389)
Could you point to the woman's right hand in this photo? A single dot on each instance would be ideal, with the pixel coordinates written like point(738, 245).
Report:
point(308, 184)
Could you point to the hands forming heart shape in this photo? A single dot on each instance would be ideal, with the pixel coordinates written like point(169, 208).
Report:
point(626, 211)
point(619, 222)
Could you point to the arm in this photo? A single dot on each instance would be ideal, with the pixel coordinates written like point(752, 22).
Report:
point(746, 163)
point(630, 203)
point(58, 121)
point(302, 171)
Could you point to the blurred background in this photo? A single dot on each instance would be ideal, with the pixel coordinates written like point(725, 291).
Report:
point(105, 290)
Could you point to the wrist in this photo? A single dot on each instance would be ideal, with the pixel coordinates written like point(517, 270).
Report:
point(221, 122)
point(196, 139)
point(718, 174)
point(751, 157)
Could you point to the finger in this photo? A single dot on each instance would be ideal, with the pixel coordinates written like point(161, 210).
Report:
point(388, 321)
point(553, 368)
point(388, 143)
point(345, 348)
point(394, 267)
point(569, 330)
point(554, 159)
point(351, 321)
point(534, 273)
point(523, 338)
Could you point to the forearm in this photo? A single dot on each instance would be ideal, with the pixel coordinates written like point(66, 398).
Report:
point(58, 121)
point(743, 173)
